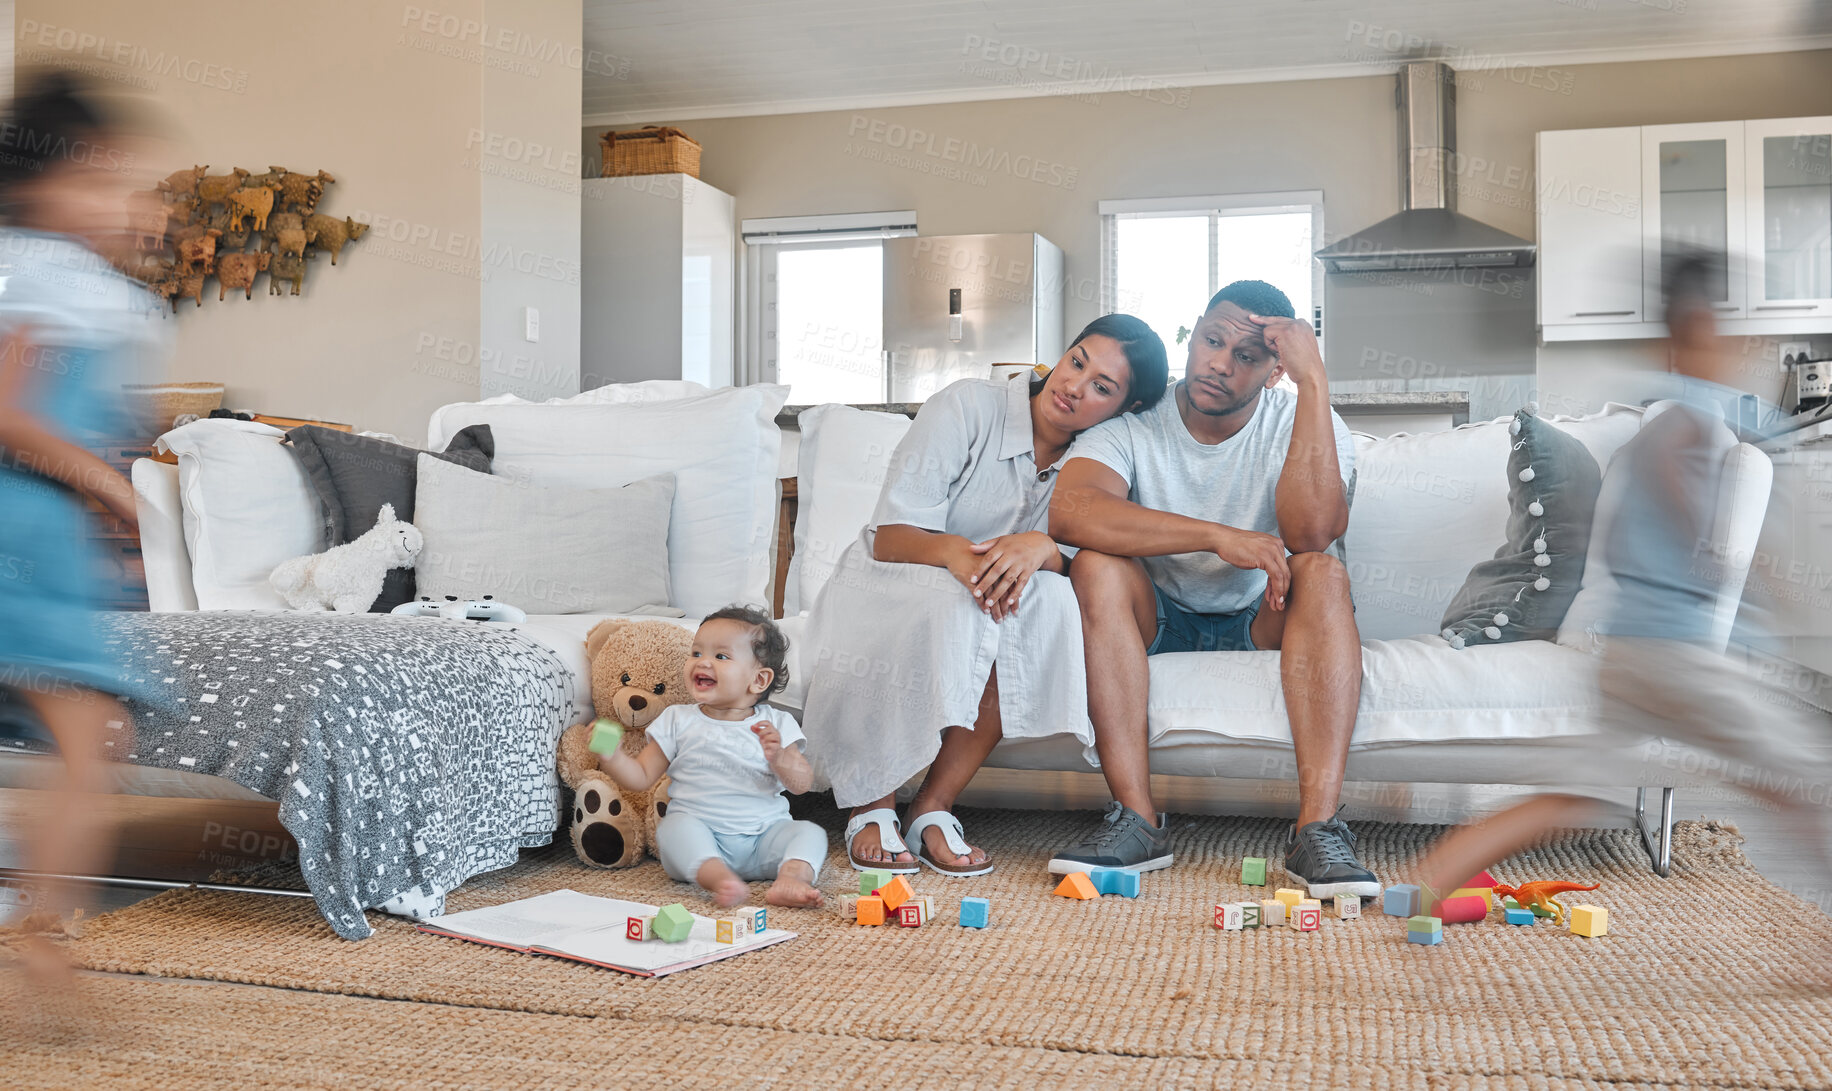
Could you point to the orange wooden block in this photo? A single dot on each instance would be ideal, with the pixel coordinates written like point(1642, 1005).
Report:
point(1076, 884)
point(871, 910)
point(895, 893)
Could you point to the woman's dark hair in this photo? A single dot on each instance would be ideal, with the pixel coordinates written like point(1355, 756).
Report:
point(1145, 358)
point(55, 116)
point(767, 642)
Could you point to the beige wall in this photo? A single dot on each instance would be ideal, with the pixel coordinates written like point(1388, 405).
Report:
point(361, 89)
point(1339, 136)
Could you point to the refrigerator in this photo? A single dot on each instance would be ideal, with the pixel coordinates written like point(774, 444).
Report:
point(957, 305)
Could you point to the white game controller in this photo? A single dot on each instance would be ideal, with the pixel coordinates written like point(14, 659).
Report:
point(484, 609)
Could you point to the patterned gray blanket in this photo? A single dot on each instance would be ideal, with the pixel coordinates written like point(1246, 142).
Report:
point(407, 754)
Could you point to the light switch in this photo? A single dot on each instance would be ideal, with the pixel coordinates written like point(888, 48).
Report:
point(531, 323)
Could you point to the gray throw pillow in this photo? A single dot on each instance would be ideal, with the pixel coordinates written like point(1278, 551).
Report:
point(1524, 591)
point(355, 475)
point(547, 550)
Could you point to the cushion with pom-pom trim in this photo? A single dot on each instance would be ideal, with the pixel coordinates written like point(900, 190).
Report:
point(1523, 592)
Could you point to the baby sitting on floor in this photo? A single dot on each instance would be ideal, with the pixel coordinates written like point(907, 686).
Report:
point(729, 757)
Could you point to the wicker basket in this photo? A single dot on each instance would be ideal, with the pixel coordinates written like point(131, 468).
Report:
point(155, 405)
point(650, 150)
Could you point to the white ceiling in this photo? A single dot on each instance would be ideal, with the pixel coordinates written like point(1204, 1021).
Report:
point(680, 59)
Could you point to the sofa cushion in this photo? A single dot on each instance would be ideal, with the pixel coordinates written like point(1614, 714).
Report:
point(1523, 591)
point(247, 507)
point(844, 453)
point(1429, 507)
point(354, 475)
point(546, 550)
point(721, 448)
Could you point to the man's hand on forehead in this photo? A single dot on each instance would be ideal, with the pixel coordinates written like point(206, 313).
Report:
point(1248, 332)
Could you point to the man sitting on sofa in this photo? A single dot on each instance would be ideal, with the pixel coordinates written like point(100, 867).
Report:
point(1202, 525)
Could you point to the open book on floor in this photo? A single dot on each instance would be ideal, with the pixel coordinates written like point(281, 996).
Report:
point(571, 925)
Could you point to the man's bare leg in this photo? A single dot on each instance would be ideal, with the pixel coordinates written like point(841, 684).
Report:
point(1119, 619)
point(1320, 667)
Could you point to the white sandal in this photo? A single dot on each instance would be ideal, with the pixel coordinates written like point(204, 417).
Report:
point(955, 837)
point(888, 839)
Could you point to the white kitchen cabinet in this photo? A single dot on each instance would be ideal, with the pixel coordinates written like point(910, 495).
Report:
point(1692, 200)
point(1590, 227)
point(658, 262)
point(1788, 232)
point(1759, 192)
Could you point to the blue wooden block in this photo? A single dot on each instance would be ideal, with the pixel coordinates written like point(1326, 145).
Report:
point(975, 912)
point(1520, 916)
point(1115, 881)
point(1429, 939)
point(1401, 900)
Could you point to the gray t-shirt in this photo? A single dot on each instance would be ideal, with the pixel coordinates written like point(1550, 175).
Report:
point(1234, 483)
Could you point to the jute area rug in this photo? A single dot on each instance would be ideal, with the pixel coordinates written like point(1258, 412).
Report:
point(1712, 978)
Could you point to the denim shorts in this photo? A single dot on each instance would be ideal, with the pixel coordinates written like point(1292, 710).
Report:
point(1179, 630)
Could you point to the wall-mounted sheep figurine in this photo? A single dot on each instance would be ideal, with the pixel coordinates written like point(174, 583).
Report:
point(215, 189)
point(329, 233)
point(286, 267)
point(239, 271)
point(198, 251)
point(300, 192)
point(251, 202)
point(182, 183)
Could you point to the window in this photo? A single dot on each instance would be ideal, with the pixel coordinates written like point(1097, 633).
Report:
point(816, 304)
point(1166, 256)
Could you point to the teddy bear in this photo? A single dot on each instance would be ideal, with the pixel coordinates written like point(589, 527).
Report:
point(348, 578)
point(636, 673)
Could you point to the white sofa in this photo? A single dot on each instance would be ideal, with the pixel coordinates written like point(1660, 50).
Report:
point(1426, 508)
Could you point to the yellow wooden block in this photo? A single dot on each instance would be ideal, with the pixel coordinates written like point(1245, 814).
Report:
point(1589, 920)
point(1289, 897)
point(726, 930)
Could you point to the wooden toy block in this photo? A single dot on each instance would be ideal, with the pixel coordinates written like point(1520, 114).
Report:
point(870, 881)
point(1272, 913)
point(759, 920)
point(673, 924)
point(1251, 914)
point(606, 734)
point(1463, 910)
point(1401, 900)
point(1509, 902)
point(1517, 915)
point(912, 914)
point(1115, 881)
point(1429, 939)
point(1289, 897)
point(871, 910)
point(975, 912)
point(1076, 884)
point(848, 906)
point(1307, 917)
point(728, 930)
point(1424, 924)
point(1220, 919)
point(927, 901)
point(895, 893)
point(1233, 916)
point(639, 929)
point(1348, 907)
point(1589, 920)
point(1253, 871)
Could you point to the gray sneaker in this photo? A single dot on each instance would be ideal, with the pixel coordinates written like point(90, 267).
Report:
point(1124, 841)
point(1322, 855)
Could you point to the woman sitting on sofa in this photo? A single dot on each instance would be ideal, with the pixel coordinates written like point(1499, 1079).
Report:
point(948, 623)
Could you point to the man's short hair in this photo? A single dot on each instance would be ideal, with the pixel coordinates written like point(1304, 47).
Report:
point(1255, 297)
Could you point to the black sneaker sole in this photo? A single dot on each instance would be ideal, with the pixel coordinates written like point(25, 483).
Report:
point(1370, 888)
point(1061, 866)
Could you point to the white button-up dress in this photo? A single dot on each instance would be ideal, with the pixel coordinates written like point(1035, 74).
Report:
point(898, 652)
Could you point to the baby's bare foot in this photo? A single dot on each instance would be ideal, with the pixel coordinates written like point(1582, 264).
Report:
point(729, 892)
point(792, 891)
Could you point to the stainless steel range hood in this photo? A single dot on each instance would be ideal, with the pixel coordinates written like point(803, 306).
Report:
point(1429, 234)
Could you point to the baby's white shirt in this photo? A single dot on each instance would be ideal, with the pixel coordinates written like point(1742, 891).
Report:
point(716, 769)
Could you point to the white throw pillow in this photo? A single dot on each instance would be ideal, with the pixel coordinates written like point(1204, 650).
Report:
point(247, 507)
point(721, 447)
point(1430, 506)
point(649, 390)
point(844, 454)
point(564, 550)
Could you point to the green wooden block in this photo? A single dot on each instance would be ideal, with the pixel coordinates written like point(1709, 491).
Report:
point(673, 924)
point(870, 881)
point(1253, 871)
point(1250, 913)
point(1424, 924)
point(1509, 903)
point(1540, 911)
point(606, 734)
